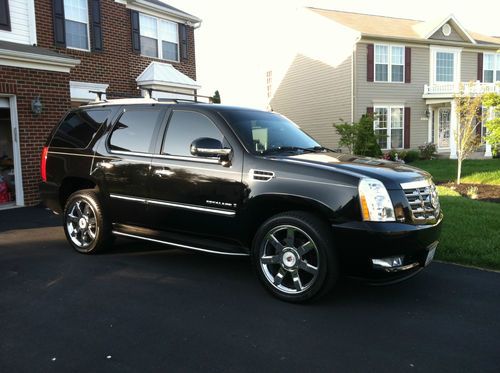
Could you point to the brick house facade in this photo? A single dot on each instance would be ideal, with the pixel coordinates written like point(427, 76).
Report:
point(59, 76)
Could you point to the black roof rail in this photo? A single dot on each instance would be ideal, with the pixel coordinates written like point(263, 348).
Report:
point(195, 96)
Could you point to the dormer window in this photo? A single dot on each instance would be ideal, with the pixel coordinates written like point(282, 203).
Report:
point(159, 38)
point(491, 68)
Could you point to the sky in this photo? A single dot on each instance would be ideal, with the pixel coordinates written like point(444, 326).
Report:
point(239, 39)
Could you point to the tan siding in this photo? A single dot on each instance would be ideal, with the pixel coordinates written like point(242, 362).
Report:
point(315, 95)
point(408, 93)
point(454, 35)
point(469, 66)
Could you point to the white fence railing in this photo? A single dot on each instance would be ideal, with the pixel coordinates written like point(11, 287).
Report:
point(455, 88)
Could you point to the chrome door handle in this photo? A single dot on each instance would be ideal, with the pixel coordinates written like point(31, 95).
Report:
point(163, 172)
point(106, 165)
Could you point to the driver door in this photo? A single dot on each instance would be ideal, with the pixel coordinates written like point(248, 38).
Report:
point(191, 194)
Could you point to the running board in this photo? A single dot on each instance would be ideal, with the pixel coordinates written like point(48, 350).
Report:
point(177, 244)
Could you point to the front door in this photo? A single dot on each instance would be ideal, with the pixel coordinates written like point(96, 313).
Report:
point(444, 128)
point(195, 195)
point(11, 187)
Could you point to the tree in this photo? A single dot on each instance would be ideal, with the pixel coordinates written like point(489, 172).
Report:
point(359, 138)
point(469, 115)
point(492, 100)
point(216, 98)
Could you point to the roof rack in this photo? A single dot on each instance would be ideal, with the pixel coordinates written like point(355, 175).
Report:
point(195, 96)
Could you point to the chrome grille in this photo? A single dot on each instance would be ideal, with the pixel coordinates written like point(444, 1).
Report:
point(424, 202)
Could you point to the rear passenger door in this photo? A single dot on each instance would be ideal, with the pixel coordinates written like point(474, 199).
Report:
point(123, 162)
point(192, 194)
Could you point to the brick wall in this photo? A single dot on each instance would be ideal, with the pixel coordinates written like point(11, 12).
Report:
point(26, 84)
point(116, 65)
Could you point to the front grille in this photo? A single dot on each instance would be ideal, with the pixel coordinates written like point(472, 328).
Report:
point(424, 203)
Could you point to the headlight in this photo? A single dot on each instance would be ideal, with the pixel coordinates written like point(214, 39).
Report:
point(376, 205)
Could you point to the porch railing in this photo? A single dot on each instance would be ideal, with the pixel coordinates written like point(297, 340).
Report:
point(451, 89)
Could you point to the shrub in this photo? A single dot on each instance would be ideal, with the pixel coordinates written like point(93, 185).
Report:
point(428, 150)
point(359, 137)
point(411, 156)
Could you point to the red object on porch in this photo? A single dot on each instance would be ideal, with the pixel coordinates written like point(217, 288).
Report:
point(4, 192)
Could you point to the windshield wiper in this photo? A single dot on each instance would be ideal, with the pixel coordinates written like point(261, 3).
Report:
point(283, 149)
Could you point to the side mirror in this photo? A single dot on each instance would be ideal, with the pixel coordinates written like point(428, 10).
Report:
point(208, 147)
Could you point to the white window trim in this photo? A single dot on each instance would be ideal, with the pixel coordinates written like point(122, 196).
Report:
point(389, 63)
point(389, 124)
point(456, 63)
point(159, 40)
point(88, 31)
point(496, 66)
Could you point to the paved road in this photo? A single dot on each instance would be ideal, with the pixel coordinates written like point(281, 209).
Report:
point(145, 308)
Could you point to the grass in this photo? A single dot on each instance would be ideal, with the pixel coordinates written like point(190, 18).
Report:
point(484, 171)
point(470, 233)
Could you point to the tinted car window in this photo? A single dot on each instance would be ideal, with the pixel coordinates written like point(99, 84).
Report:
point(183, 128)
point(134, 130)
point(262, 131)
point(78, 128)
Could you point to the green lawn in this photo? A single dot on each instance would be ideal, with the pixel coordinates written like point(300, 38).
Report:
point(471, 231)
point(485, 171)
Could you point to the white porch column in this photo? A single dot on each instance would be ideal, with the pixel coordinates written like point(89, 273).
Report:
point(453, 129)
point(487, 152)
point(430, 110)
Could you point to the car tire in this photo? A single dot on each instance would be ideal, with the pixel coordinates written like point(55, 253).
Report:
point(294, 256)
point(85, 223)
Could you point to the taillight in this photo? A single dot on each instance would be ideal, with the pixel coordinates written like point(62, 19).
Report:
point(43, 163)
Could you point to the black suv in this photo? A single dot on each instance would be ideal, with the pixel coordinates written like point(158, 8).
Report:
point(237, 181)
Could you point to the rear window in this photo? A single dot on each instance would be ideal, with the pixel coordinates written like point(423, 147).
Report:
point(78, 128)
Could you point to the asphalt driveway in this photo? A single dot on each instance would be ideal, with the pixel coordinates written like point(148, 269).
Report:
point(144, 308)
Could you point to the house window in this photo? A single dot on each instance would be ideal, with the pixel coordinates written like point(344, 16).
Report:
point(4, 15)
point(491, 68)
point(389, 63)
point(445, 66)
point(76, 14)
point(388, 125)
point(159, 38)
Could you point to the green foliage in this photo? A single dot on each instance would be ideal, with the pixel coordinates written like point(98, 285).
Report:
point(216, 98)
point(348, 135)
point(470, 233)
point(411, 156)
point(484, 171)
point(428, 150)
point(359, 137)
point(366, 141)
point(493, 125)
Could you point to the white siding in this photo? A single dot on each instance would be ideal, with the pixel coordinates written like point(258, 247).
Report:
point(21, 21)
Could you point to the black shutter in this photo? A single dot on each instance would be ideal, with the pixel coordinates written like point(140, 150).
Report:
point(369, 62)
point(183, 42)
point(407, 120)
point(136, 32)
point(480, 67)
point(4, 15)
point(407, 65)
point(59, 26)
point(95, 11)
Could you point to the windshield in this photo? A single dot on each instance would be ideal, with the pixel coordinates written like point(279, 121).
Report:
point(266, 133)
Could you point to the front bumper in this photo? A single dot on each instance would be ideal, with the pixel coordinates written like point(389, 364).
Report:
point(360, 243)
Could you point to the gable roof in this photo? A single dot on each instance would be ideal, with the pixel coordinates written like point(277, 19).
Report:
point(402, 28)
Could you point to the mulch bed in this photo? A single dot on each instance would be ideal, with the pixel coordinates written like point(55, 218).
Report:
point(489, 193)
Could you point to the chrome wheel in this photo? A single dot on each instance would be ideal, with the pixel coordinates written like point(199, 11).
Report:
point(81, 223)
point(289, 259)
